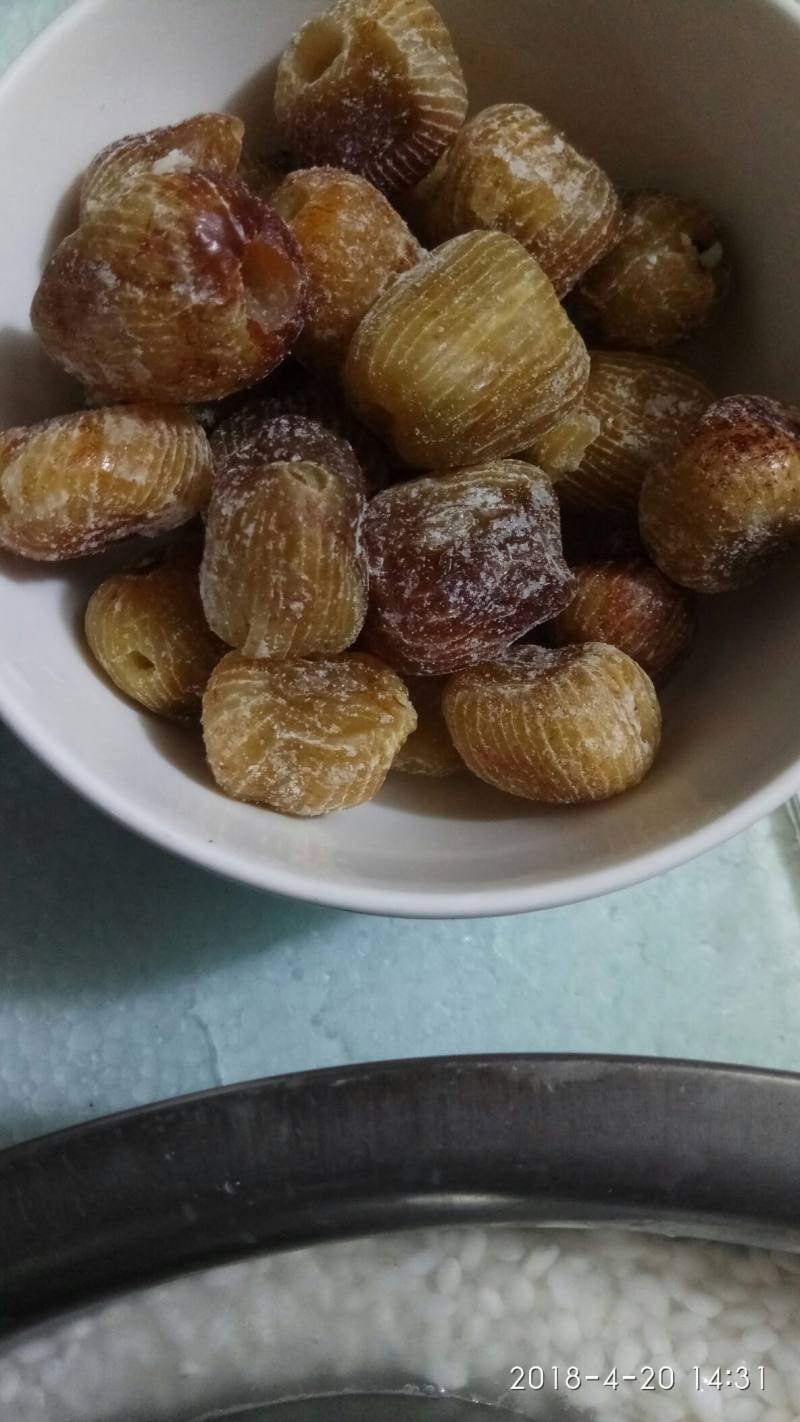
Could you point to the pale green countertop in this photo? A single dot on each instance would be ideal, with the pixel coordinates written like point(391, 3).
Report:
point(126, 975)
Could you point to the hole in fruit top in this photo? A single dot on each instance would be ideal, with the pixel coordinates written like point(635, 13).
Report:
point(318, 47)
point(271, 286)
point(141, 663)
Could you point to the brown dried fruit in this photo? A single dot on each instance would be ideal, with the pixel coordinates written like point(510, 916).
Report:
point(663, 278)
point(210, 142)
point(644, 407)
point(632, 606)
point(511, 170)
point(561, 727)
point(373, 86)
point(469, 356)
point(75, 484)
point(429, 750)
point(315, 401)
point(461, 565)
point(353, 244)
point(147, 630)
point(283, 572)
point(304, 737)
point(184, 289)
point(262, 175)
point(715, 516)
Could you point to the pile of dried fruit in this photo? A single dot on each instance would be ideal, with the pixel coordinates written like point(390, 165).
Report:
point(380, 580)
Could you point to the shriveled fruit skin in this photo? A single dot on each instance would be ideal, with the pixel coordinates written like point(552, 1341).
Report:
point(662, 280)
point(75, 484)
point(353, 244)
point(185, 288)
point(147, 630)
point(511, 170)
point(630, 605)
point(644, 407)
point(429, 750)
point(372, 86)
point(715, 516)
point(304, 737)
point(461, 565)
point(315, 401)
point(469, 356)
point(564, 727)
point(211, 142)
point(284, 574)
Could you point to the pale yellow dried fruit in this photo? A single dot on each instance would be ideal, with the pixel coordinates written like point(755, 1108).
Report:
point(662, 280)
point(566, 727)
point(77, 483)
point(185, 288)
point(353, 244)
point(147, 630)
point(644, 407)
point(633, 606)
point(211, 142)
point(429, 750)
point(373, 86)
point(716, 515)
point(283, 572)
point(304, 737)
point(512, 170)
point(461, 565)
point(562, 449)
point(467, 357)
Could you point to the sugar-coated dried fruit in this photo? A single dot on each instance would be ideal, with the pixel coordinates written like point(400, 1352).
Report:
point(630, 605)
point(644, 407)
point(77, 483)
point(304, 737)
point(468, 356)
point(314, 401)
point(373, 86)
point(209, 142)
point(564, 726)
point(461, 565)
point(429, 750)
point(512, 170)
point(662, 280)
point(147, 630)
point(284, 574)
point(185, 288)
point(353, 244)
point(728, 502)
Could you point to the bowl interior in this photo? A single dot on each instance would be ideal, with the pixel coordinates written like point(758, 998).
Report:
point(688, 94)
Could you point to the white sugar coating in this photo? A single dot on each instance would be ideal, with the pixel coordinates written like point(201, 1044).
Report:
point(451, 1310)
point(172, 162)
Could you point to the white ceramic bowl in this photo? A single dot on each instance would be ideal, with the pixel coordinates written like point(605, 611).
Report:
point(698, 95)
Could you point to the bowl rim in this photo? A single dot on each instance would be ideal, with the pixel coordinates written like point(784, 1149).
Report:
point(689, 1149)
point(404, 902)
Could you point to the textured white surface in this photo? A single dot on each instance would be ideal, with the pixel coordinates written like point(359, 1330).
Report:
point(451, 1310)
